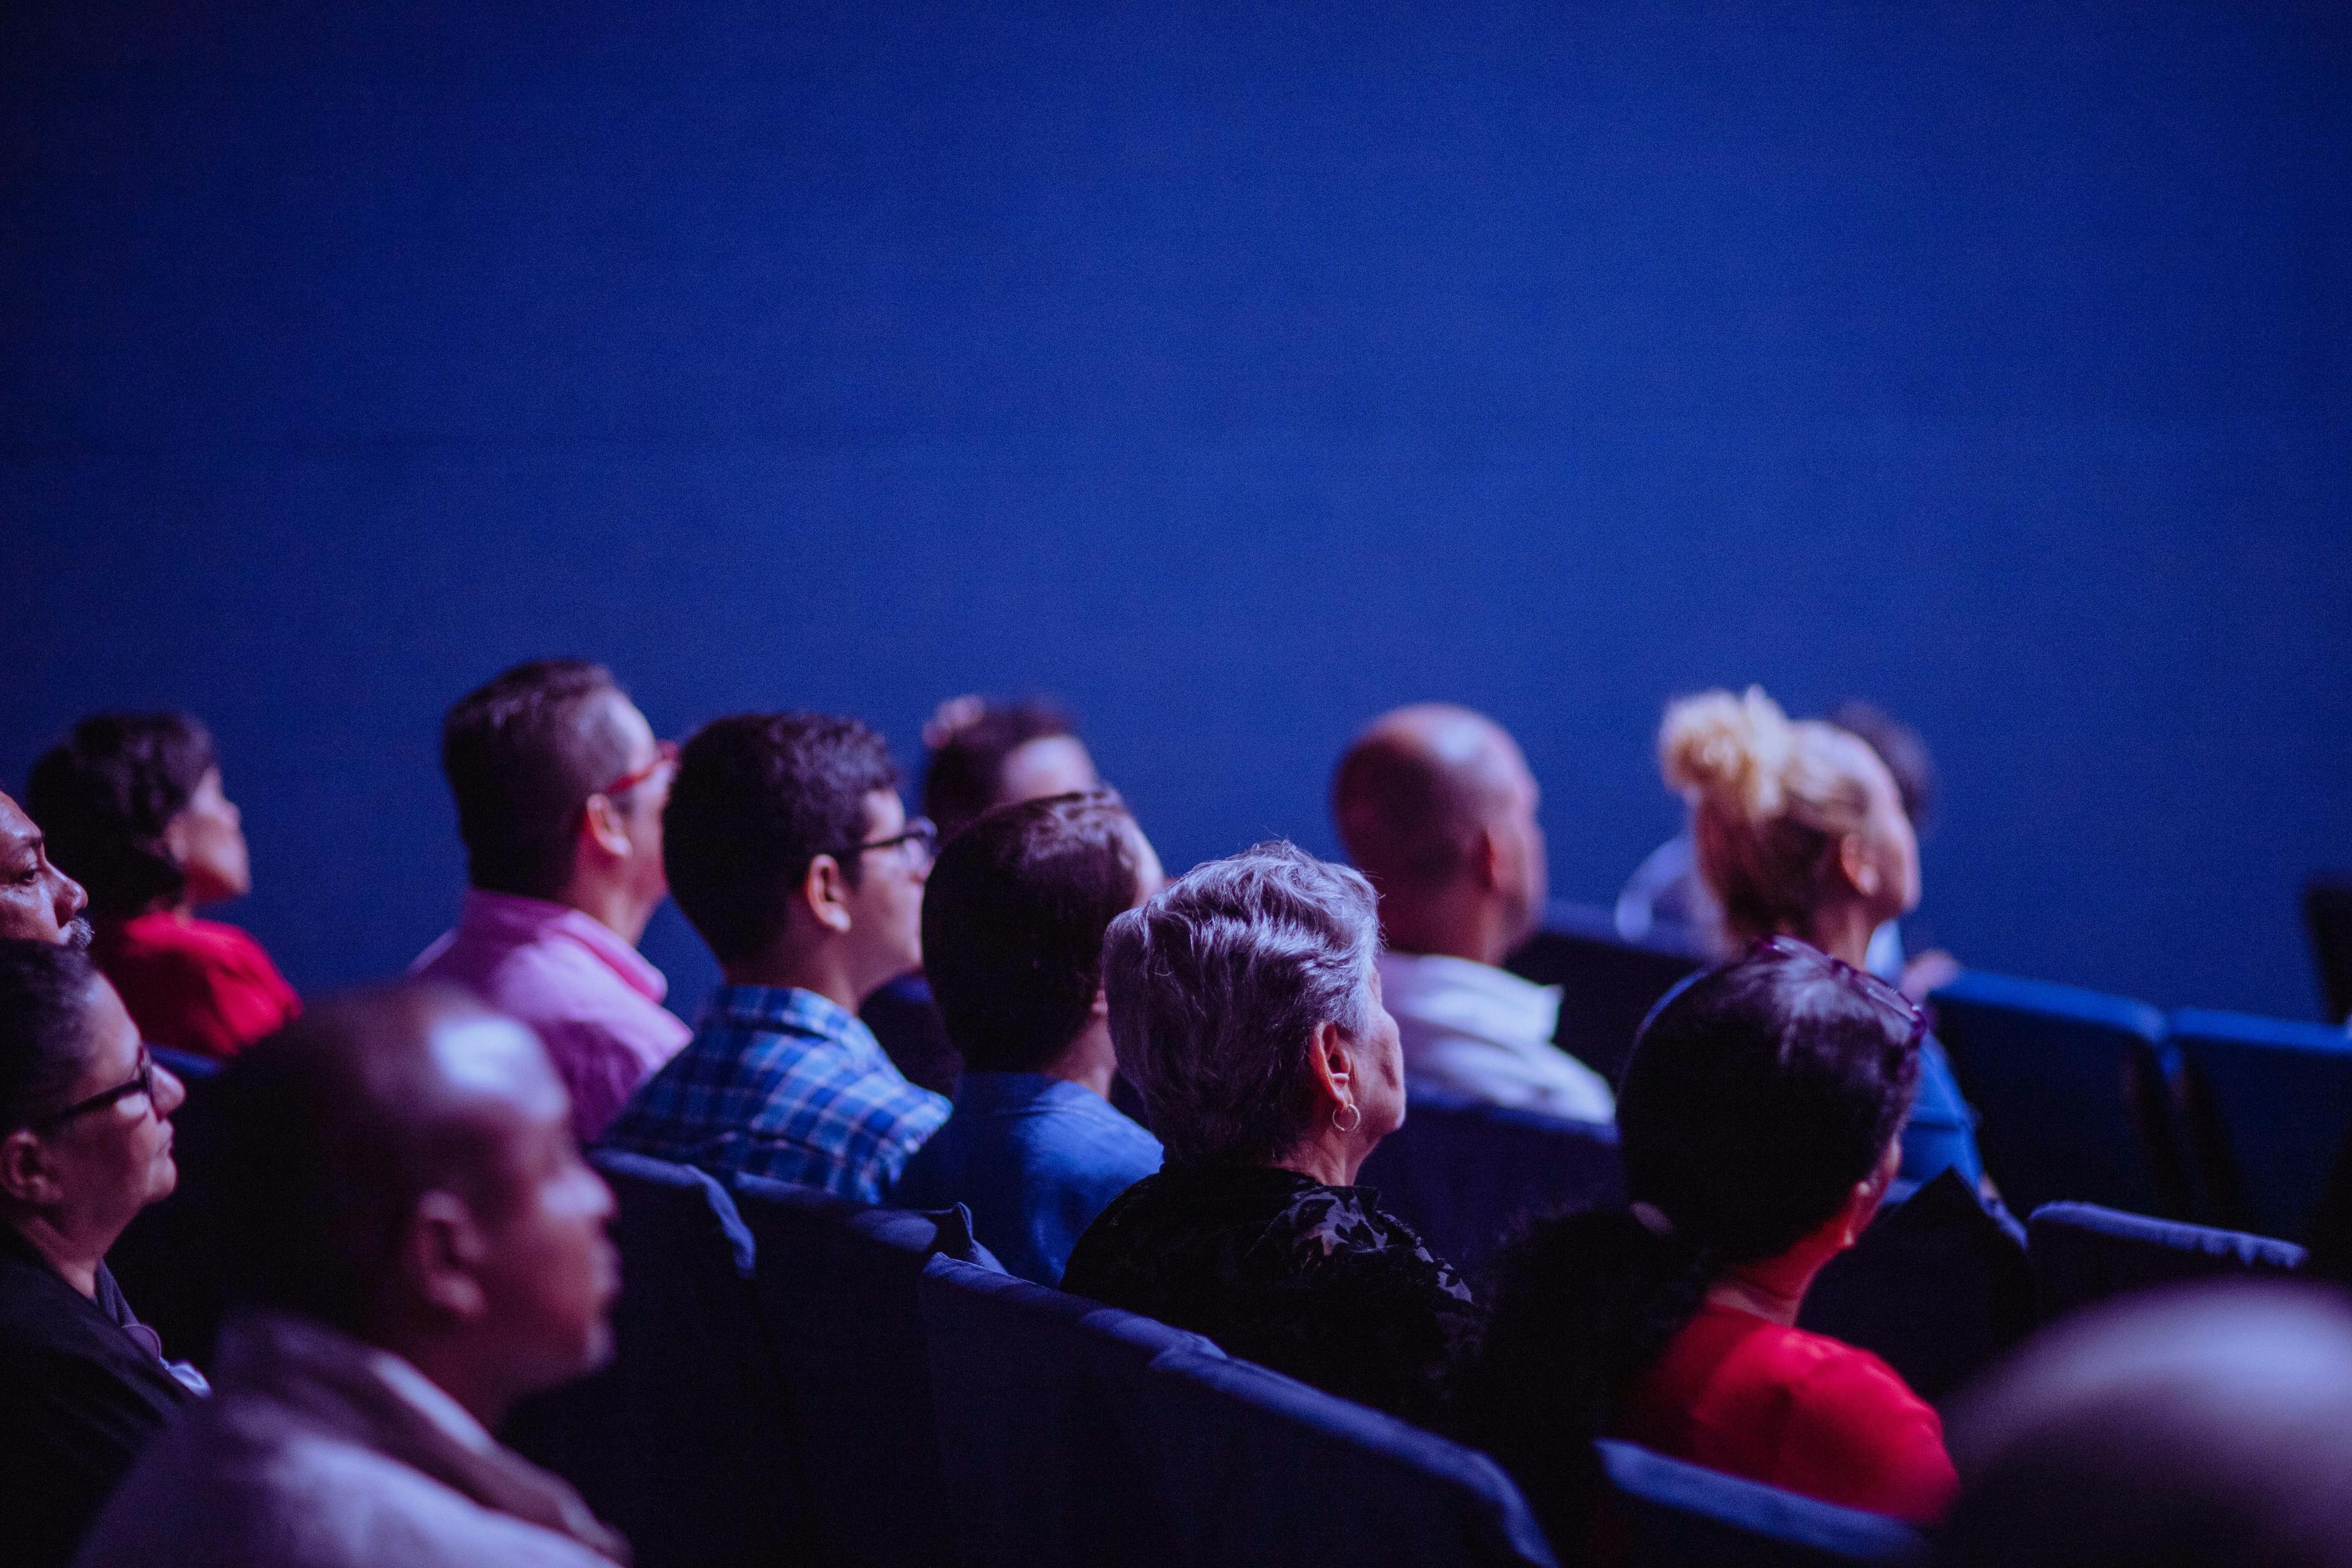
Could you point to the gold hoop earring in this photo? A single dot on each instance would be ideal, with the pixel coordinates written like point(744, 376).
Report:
point(1355, 1119)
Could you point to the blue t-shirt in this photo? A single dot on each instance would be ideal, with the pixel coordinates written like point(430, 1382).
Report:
point(1942, 1131)
point(1035, 1159)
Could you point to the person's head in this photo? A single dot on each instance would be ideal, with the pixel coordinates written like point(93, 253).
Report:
point(1436, 805)
point(1014, 918)
point(132, 806)
point(786, 839)
point(1758, 1124)
point(38, 903)
point(985, 755)
point(2202, 1425)
point(1246, 1006)
point(560, 785)
point(1796, 824)
point(85, 1115)
point(399, 1164)
point(1904, 751)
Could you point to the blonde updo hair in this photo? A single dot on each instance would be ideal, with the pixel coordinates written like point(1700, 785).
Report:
point(1771, 802)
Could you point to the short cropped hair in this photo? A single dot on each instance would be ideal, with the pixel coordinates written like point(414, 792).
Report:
point(104, 797)
point(523, 752)
point(964, 774)
point(1014, 918)
point(45, 1039)
point(757, 797)
point(1217, 986)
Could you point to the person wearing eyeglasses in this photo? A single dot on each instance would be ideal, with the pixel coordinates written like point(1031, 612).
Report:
point(791, 852)
point(85, 1144)
point(1759, 1121)
point(560, 785)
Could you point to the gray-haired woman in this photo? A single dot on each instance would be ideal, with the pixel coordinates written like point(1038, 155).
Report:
point(1246, 1009)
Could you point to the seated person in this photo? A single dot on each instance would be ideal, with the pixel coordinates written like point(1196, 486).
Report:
point(1245, 1005)
point(37, 901)
point(1436, 806)
point(132, 806)
point(413, 1245)
point(981, 756)
point(85, 1144)
point(1801, 832)
point(1758, 1120)
point(791, 852)
point(560, 787)
point(1014, 918)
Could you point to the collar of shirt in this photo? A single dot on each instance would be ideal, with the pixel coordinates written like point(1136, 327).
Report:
point(1015, 1092)
point(1461, 996)
point(510, 920)
point(788, 1009)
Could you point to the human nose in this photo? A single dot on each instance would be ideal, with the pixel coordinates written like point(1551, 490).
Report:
point(169, 1093)
point(70, 897)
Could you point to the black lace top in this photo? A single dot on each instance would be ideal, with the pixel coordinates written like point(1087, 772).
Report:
point(1311, 1280)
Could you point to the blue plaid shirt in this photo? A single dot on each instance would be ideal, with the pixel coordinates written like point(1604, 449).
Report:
point(783, 1083)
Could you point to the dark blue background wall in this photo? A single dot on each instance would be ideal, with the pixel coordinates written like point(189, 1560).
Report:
point(1233, 371)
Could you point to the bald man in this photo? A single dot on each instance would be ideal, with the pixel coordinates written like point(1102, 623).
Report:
point(37, 901)
point(1435, 805)
point(414, 1245)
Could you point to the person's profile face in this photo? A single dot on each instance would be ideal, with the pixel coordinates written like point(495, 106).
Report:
point(887, 906)
point(37, 901)
point(642, 809)
point(1049, 765)
point(207, 838)
point(115, 1160)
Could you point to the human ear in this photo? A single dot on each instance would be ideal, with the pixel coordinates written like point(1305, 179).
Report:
point(602, 824)
point(441, 1252)
point(175, 838)
point(24, 1173)
point(1860, 867)
point(1334, 1062)
point(825, 891)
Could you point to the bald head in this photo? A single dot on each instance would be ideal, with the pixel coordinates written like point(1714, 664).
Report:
point(1435, 804)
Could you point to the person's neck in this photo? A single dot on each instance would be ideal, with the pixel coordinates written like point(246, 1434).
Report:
point(1330, 1159)
point(75, 1256)
point(1773, 1290)
point(452, 1366)
point(618, 908)
point(1843, 931)
point(823, 968)
point(1446, 925)
point(1091, 1061)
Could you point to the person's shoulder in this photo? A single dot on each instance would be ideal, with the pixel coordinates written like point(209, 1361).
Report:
point(1826, 1377)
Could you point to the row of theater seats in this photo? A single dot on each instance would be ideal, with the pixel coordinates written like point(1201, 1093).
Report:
point(2224, 1118)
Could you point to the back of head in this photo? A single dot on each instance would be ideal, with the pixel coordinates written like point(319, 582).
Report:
point(45, 1039)
point(1217, 986)
point(1770, 800)
point(2200, 1425)
point(1411, 790)
point(104, 798)
point(968, 743)
point(757, 797)
point(1013, 917)
point(523, 752)
point(1758, 1095)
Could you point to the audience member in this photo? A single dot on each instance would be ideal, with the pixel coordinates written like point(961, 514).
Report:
point(1799, 831)
point(2203, 1426)
point(981, 757)
point(132, 806)
point(85, 1144)
point(414, 1244)
point(560, 786)
point(1436, 806)
point(1245, 1005)
point(37, 901)
point(1014, 918)
point(791, 852)
point(1758, 1120)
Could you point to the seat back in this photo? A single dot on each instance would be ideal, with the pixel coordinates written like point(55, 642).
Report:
point(2071, 1086)
point(2083, 1253)
point(1461, 1175)
point(1669, 1511)
point(2267, 1103)
point(1608, 985)
point(2327, 916)
point(838, 1288)
point(684, 1443)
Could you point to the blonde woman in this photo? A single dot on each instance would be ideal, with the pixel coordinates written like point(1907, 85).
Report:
point(1800, 831)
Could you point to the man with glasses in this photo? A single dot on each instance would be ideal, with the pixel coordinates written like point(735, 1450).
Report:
point(560, 786)
point(790, 851)
point(85, 1144)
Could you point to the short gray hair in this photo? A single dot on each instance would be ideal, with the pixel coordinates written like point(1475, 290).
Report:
point(1217, 986)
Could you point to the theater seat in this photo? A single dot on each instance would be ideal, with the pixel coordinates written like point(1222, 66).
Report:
point(2083, 1253)
point(2268, 1102)
point(1076, 1432)
point(684, 1443)
point(837, 1289)
point(2069, 1086)
point(1672, 1513)
point(2327, 916)
point(1608, 985)
point(1462, 1173)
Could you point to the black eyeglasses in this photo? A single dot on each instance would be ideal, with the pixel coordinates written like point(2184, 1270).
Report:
point(1856, 980)
point(143, 1082)
point(922, 834)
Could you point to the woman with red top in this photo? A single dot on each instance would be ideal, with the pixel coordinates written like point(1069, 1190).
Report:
point(132, 806)
point(1759, 1123)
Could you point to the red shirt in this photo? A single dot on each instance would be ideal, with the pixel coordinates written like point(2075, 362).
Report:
point(194, 985)
point(1801, 1411)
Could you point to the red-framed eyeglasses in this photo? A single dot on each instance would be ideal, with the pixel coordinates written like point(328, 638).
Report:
point(665, 756)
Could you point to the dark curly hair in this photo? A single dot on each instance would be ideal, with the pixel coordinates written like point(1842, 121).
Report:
point(104, 797)
point(1757, 1096)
